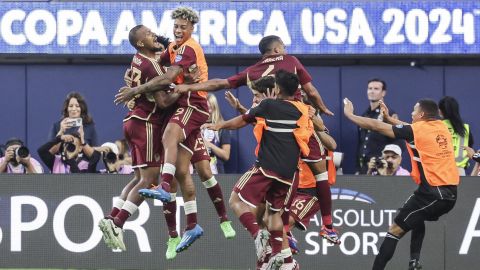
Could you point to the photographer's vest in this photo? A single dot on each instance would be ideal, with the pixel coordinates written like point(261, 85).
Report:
point(459, 142)
point(302, 133)
point(432, 154)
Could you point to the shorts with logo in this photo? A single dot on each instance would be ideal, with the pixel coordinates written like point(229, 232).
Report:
point(144, 140)
point(303, 208)
point(316, 150)
point(418, 209)
point(256, 187)
point(196, 146)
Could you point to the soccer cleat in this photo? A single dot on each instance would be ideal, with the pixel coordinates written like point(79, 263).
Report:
point(414, 265)
point(103, 224)
point(156, 192)
point(189, 237)
point(263, 261)
point(275, 262)
point(330, 234)
point(292, 243)
point(116, 234)
point(261, 241)
point(227, 229)
point(171, 247)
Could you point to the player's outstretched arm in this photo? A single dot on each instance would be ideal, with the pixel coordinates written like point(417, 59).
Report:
point(315, 98)
point(366, 123)
point(208, 86)
point(234, 123)
point(391, 119)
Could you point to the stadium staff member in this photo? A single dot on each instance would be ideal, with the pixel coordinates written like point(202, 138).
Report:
point(433, 169)
point(388, 163)
point(17, 159)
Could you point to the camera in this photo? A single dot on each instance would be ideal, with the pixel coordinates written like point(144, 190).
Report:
point(70, 147)
point(21, 152)
point(379, 164)
point(75, 122)
point(110, 157)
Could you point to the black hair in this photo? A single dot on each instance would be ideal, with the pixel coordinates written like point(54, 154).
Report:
point(429, 108)
point(451, 111)
point(263, 84)
point(287, 82)
point(132, 35)
point(384, 84)
point(14, 141)
point(266, 43)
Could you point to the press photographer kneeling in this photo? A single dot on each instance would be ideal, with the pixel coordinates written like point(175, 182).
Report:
point(17, 159)
point(388, 163)
point(114, 161)
point(69, 153)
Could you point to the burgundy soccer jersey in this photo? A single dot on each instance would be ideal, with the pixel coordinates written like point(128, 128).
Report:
point(143, 69)
point(268, 66)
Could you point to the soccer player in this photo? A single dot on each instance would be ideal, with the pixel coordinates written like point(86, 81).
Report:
point(143, 132)
point(433, 169)
point(274, 57)
point(282, 130)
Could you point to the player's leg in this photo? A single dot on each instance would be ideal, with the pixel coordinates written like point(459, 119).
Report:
point(418, 233)
point(214, 191)
point(387, 249)
point(170, 214)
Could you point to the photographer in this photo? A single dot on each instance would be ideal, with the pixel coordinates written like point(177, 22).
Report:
point(17, 159)
point(69, 153)
point(115, 162)
point(388, 163)
point(475, 156)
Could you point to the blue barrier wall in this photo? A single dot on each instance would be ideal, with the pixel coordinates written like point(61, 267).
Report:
point(32, 97)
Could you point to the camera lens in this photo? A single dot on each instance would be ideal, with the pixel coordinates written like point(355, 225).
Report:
point(70, 147)
point(110, 157)
point(22, 152)
point(379, 163)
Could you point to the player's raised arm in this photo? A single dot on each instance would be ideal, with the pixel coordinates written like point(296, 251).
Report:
point(367, 123)
point(208, 86)
point(234, 123)
point(315, 98)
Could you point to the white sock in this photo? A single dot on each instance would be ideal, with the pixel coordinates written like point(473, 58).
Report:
point(190, 207)
point(130, 207)
point(173, 197)
point(118, 203)
point(169, 168)
point(210, 182)
point(321, 176)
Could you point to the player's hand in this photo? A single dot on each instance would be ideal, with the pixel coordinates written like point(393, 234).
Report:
point(181, 88)
point(470, 151)
point(311, 112)
point(270, 93)
point(210, 126)
point(232, 100)
point(193, 75)
point(348, 107)
point(131, 104)
point(384, 110)
point(326, 111)
point(124, 95)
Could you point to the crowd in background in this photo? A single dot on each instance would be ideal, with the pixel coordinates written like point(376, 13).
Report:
point(73, 147)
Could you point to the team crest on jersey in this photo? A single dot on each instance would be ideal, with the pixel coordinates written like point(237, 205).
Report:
point(178, 58)
point(157, 157)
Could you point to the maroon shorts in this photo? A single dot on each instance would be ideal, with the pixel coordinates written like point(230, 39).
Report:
point(144, 140)
point(254, 187)
point(303, 208)
point(316, 150)
point(196, 146)
point(189, 120)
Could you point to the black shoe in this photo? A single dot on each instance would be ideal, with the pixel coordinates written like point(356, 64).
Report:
point(414, 265)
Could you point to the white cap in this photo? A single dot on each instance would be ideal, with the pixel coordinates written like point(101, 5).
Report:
point(113, 147)
point(393, 148)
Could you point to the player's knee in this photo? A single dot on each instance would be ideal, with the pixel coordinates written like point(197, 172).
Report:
point(396, 230)
point(204, 172)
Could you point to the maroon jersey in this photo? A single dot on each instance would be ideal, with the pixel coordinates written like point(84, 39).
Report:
point(143, 69)
point(188, 55)
point(268, 66)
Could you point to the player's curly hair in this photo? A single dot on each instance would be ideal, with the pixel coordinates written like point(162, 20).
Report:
point(263, 84)
point(185, 13)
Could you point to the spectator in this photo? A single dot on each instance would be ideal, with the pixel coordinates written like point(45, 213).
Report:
point(69, 153)
point(371, 143)
point(388, 163)
point(475, 156)
point(218, 143)
point(114, 162)
point(461, 135)
point(75, 108)
point(17, 159)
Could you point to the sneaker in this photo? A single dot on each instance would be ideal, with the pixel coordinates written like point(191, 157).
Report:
point(171, 247)
point(275, 262)
point(263, 261)
point(116, 234)
point(261, 241)
point(102, 224)
point(189, 237)
point(290, 266)
point(330, 234)
point(414, 265)
point(156, 192)
point(292, 243)
point(227, 229)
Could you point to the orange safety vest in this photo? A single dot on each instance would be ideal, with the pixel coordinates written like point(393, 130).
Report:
point(332, 171)
point(200, 61)
point(302, 133)
point(433, 149)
